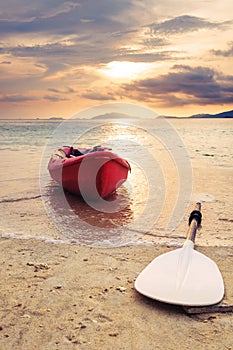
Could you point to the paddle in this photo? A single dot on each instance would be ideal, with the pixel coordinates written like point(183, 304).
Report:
point(183, 276)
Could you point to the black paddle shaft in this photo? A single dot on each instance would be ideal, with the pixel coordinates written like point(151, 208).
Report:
point(194, 222)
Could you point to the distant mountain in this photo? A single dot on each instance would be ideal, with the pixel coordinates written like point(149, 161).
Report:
point(228, 114)
point(55, 118)
point(115, 116)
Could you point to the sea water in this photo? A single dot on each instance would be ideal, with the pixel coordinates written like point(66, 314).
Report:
point(174, 162)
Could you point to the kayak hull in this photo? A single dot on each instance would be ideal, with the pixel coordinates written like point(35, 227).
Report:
point(91, 175)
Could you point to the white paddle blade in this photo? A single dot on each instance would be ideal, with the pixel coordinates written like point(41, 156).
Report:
point(183, 277)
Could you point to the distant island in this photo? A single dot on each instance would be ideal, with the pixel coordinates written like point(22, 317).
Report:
point(228, 114)
point(108, 116)
point(115, 116)
point(56, 118)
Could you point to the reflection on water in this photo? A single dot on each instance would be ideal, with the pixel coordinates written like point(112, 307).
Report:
point(98, 218)
point(84, 224)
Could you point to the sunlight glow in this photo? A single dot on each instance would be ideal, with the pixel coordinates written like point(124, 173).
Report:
point(124, 69)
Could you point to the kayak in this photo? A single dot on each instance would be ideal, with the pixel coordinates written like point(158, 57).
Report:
point(88, 173)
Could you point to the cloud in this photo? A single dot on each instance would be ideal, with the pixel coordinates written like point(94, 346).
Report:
point(17, 98)
point(66, 90)
point(65, 7)
point(184, 85)
point(79, 33)
point(56, 49)
point(55, 98)
point(98, 96)
point(97, 35)
point(66, 17)
point(27, 11)
point(183, 24)
point(82, 51)
point(224, 53)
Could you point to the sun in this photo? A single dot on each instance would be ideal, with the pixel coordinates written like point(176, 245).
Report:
point(124, 69)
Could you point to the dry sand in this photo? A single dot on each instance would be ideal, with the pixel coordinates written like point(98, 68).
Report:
point(58, 296)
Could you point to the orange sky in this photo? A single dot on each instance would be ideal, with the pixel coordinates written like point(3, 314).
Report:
point(59, 57)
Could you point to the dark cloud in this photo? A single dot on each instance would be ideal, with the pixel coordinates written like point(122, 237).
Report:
point(184, 85)
point(67, 17)
point(98, 30)
point(66, 90)
point(17, 98)
point(55, 98)
point(183, 24)
point(47, 50)
point(81, 53)
point(138, 56)
point(98, 96)
point(224, 53)
point(59, 95)
point(152, 42)
point(27, 15)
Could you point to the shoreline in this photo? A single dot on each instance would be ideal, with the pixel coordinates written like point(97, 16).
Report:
point(75, 297)
point(59, 296)
point(27, 219)
point(173, 243)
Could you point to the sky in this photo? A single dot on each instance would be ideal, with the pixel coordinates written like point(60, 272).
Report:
point(59, 57)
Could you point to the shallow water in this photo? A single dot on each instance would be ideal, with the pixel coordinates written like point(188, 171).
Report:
point(174, 163)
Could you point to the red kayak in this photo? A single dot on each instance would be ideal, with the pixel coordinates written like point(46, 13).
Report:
point(89, 173)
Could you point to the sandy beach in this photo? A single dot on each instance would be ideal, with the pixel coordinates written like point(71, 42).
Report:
point(69, 296)
point(56, 294)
